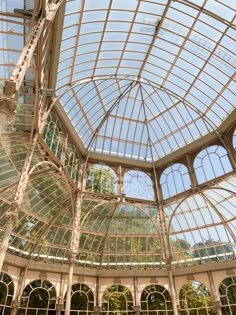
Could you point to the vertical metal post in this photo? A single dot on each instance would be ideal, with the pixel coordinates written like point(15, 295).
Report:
point(136, 299)
point(69, 285)
point(74, 246)
point(16, 302)
point(167, 255)
point(216, 302)
point(11, 218)
point(173, 291)
point(192, 174)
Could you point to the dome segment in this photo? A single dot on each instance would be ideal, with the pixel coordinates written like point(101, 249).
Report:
point(142, 79)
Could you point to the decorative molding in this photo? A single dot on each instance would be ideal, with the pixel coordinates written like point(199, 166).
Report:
point(43, 275)
point(7, 105)
point(153, 280)
point(230, 272)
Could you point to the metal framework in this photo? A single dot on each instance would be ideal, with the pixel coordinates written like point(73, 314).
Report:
point(117, 148)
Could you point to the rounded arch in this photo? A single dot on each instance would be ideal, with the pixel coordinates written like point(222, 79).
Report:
point(227, 294)
point(156, 299)
point(174, 179)
point(211, 163)
point(39, 296)
point(101, 179)
point(201, 227)
point(138, 184)
point(126, 235)
point(82, 299)
point(117, 299)
point(195, 298)
point(41, 224)
point(6, 293)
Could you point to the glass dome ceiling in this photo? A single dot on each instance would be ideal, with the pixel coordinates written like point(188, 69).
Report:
point(142, 79)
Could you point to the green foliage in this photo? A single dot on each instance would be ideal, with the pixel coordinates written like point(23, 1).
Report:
point(195, 299)
point(72, 162)
point(180, 249)
point(227, 292)
point(211, 250)
point(117, 300)
point(100, 180)
point(53, 136)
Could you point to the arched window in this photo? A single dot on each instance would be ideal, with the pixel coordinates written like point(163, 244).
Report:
point(53, 135)
point(195, 299)
point(101, 179)
point(137, 184)
point(82, 299)
point(117, 300)
point(38, 298)
point(227, 292)
point(211, 163)
point(174, 180)
point(156, 299)
point(72, 162)
point(6, 294)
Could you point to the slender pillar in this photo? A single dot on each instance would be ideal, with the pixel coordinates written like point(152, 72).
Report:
point(15, 307)
point(136, 299)
point(172, 289)
point(97, 299)
point(166, 248)
point(7, 109)
point(60, 301)
point(192, 174)
point(69, 285)
point(16, 302)
point(74, 246)
point(215, 295)
point(11, 217)
point(59, 308)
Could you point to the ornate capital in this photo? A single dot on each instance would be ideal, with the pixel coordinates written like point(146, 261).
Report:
point(16, 305)
point(216, 305)
point(169, 263)
point(72, 257)
point(97, 310)
point(59, 307)
point(137, 309)
point(7, 105)
point(11, 216)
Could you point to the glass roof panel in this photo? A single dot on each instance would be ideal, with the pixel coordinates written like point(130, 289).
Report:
point(145, 74)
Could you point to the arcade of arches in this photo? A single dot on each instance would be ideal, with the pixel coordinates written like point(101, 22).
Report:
point(117, 157)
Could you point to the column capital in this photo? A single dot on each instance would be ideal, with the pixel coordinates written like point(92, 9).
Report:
point(216, 305)
point(59, 307)
point(97, 310)
point(137, 309)
point(72, 257)
point(11, 216)
point(7, 105)
point(15, 304)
